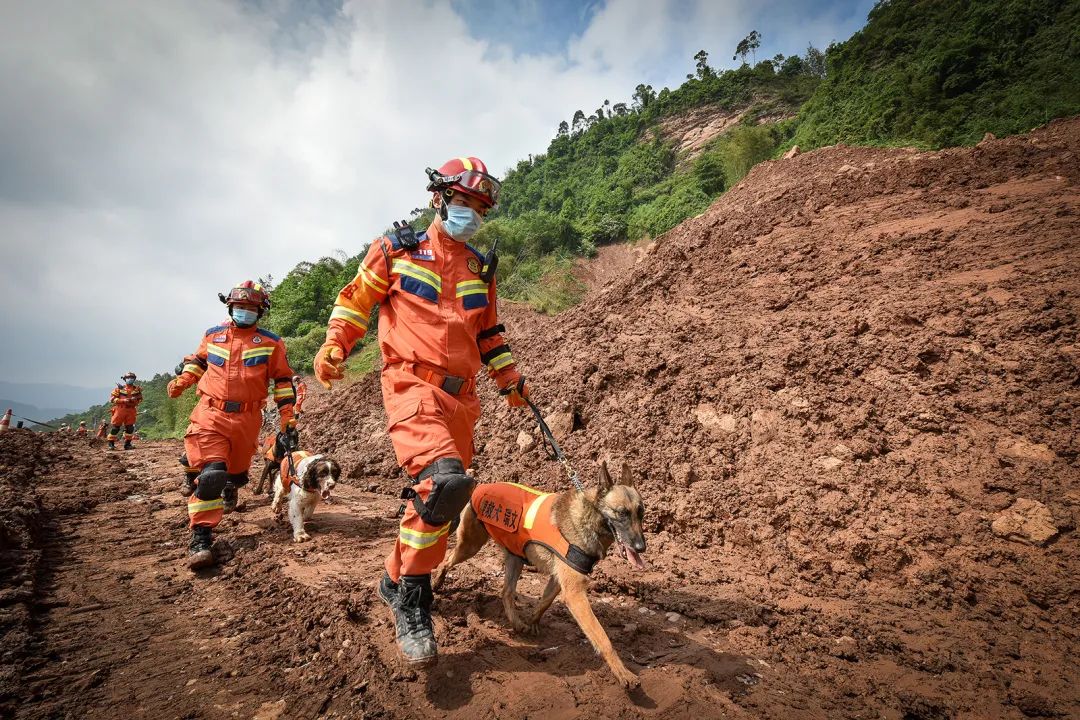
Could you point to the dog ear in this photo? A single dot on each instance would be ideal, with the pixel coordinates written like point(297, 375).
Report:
point(627, 476)
point(335, 469)
point(605, 478)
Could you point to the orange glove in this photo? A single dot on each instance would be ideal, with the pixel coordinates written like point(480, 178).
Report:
point(328, 364)
point(174, 390)
point(516, 393)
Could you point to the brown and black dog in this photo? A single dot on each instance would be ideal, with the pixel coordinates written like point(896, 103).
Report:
point(562, 535)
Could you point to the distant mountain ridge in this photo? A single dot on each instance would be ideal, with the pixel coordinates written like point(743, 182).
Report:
point(49, 400)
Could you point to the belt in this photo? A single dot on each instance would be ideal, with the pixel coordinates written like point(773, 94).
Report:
point(233, 406)
point(450, 384)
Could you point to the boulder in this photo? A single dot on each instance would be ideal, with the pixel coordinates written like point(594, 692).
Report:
point(561, 424)
point(1027, 521)
point(525, 441)
point(792, 152)
point(716, 424)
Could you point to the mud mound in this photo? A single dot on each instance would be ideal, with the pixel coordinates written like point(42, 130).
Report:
point(850, 392)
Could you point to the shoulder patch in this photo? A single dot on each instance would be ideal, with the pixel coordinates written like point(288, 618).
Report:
point(267, 334)
point(479, 255)
point(216, 328)
point(394, 242)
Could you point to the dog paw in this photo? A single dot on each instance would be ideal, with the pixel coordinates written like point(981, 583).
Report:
point(627, 679)
point(525, 628)
point(301, 537)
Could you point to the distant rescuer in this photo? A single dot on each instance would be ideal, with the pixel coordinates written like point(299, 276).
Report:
point(437, 327)
point(301, 394)
point(234, 365)
point(125, 399)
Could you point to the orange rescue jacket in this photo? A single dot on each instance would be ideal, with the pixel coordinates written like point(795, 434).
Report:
point(434, 309)
point(517, 515)
point(238, 364)
point(126, 396)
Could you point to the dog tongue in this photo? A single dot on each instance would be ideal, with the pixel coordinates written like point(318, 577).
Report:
point(633, 558)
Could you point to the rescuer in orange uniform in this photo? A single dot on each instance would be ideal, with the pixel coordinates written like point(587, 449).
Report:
point(301, 394)
point(234, 365)
point(437, 328)
point(81, 432)
point(125, 399)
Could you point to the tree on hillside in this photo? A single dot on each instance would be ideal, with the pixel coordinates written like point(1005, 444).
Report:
point(703, 70)
point(814, 61)
point(578, 123)
point(564, 129)
point(748, 46)
point(620, 109)
point(643, 96)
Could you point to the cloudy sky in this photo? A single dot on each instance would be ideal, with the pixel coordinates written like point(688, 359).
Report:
point(154, 152)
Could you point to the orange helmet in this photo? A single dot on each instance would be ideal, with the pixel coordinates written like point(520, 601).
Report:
point(248, 292)
point(468, 175)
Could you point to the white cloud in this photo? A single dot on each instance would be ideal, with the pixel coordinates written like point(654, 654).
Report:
point(152, 154)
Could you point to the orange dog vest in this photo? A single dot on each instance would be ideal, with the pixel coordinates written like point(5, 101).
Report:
point(517, 515)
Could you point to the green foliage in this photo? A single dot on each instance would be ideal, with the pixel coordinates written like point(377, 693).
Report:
point(363, 361)
point(943, 72)
point(158, 416)
point(548, 283)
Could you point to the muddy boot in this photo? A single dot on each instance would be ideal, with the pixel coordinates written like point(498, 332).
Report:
point(412, 616)
point(229, 497)
point(187, 485)
point(112, 444)
point(199, 554)
point(127, 444)
point(388, 591)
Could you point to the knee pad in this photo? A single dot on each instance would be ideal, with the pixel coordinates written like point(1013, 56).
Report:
point(238, 479)
point(212, 481)
point(449, 494)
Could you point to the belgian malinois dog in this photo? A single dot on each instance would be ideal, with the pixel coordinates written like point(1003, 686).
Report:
point(562, 535)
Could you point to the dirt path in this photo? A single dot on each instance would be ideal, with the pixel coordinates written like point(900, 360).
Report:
point(120, 628)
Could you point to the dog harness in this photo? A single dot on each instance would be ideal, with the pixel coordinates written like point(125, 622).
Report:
point(517, 515)
point(301, 460)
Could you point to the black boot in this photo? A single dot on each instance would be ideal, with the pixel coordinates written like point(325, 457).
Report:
point(199, 554)
point(127, 444)
point(388, 591)
point(412, 616)
point(229, 497)
point(112, 444)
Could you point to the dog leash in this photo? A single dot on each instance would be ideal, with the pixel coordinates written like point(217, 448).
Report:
point(551, 447)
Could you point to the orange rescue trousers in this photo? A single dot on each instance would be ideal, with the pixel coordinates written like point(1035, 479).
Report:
point(214, 435)
point(425, 424)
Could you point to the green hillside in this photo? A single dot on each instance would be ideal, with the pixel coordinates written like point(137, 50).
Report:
point(944, 72)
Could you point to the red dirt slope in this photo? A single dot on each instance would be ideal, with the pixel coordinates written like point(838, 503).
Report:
point(832, 384)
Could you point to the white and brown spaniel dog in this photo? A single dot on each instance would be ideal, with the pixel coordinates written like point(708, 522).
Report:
point(315, 476)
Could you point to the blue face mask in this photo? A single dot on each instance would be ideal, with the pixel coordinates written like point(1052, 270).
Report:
point(461, 222)
point(129, 381)
point(244, 317)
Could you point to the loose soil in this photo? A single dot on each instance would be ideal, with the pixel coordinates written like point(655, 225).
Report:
point(849, 392)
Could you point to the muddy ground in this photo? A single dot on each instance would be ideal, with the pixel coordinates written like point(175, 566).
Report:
point(849, 392)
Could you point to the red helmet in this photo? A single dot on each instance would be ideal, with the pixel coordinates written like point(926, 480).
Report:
point(248, 292)
point(468, 175)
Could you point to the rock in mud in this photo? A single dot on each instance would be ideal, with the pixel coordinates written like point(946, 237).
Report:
point(525, 441)
point(1027, 521)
